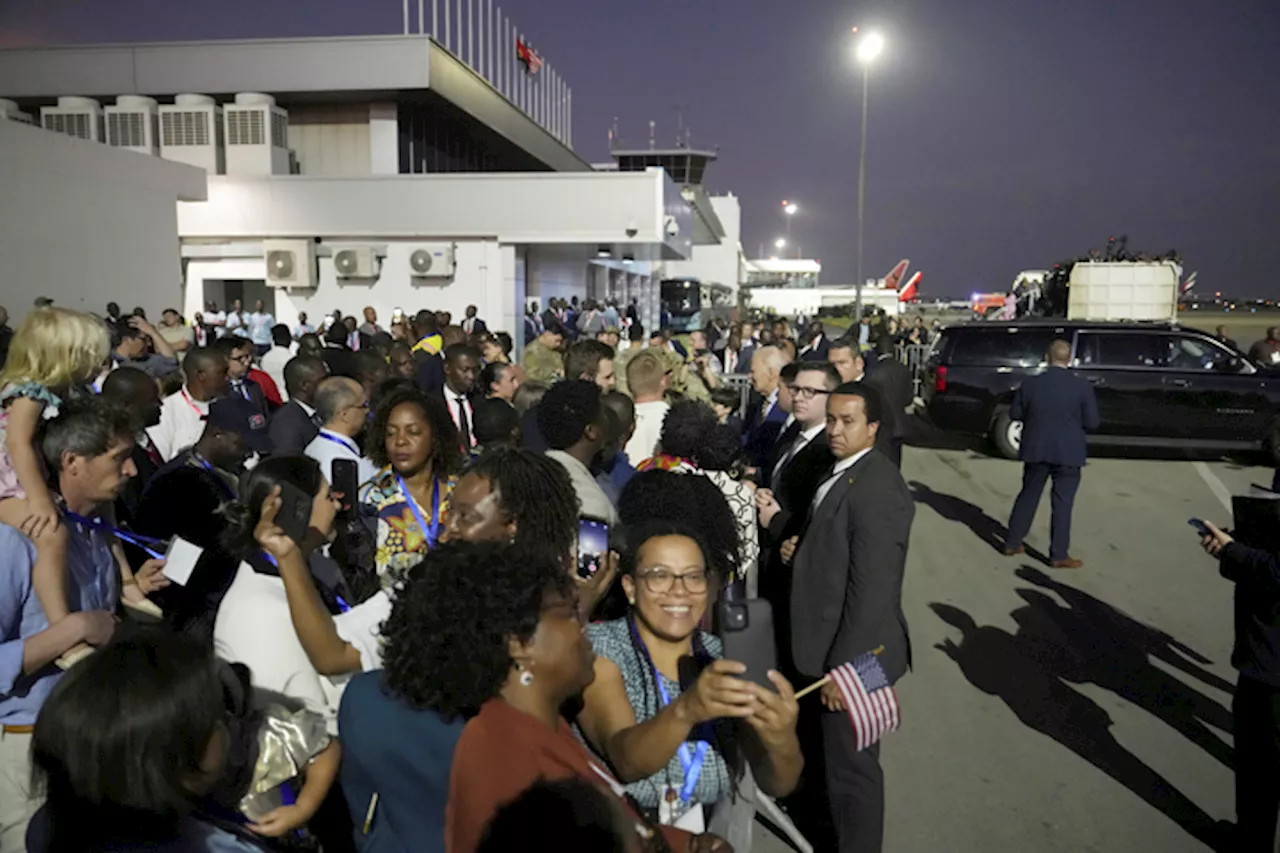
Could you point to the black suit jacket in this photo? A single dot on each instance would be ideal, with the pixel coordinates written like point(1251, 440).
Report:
point(797, 485)
point(480, 326)
point(341, 362)
point(816, 352)
point(1056, 408)
point(846, 589)
point(291, 429)
point(430, 374)
point(759, 434)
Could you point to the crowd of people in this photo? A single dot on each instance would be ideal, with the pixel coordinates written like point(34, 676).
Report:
point(346, 587)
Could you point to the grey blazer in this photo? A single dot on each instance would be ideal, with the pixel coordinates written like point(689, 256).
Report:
point(846, 593)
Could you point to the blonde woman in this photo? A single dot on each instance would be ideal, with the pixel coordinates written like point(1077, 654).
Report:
point(56, 352)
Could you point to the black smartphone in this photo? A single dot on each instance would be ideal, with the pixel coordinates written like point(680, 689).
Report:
point(1200, 526)
point(294, 517)
point(345, 479)
point(746, 629)
point(593, 545)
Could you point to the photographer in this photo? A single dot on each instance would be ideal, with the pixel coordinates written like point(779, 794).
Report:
point(1256, 707)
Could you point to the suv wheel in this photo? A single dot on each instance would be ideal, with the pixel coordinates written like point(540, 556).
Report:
point(1006, 434)
point(1273, 442)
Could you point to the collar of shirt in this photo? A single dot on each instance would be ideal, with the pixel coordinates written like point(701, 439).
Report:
point(845, 464)
point(339, 438)
point(309, 410)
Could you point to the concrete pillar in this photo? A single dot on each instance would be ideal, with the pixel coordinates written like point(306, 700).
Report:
point(384, 139)
point(512, 263)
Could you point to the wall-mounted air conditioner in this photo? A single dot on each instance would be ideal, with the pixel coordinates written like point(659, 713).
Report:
point(257, 134)
point(360, 263)
point(432, 260)
point(9, 112)
point(78, 117)
point(290, 263)
point(191, 133)
point(133, 123)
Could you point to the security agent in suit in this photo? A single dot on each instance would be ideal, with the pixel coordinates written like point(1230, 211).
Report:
point(852, 366)
point(764, 417)
point(296, 423)
point(1056, 408)
point(846, 600)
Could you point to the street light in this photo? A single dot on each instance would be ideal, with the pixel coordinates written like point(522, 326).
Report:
point(869, 47)
point(780, 243)
point(789, 209)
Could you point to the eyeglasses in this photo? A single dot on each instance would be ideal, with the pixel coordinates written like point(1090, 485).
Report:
point(805, 393)
point(243, 359)
point(661, 580)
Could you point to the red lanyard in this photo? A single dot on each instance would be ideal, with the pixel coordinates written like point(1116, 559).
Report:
point(194, 407)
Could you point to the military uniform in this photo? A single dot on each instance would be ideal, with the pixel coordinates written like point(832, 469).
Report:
point(543, 364)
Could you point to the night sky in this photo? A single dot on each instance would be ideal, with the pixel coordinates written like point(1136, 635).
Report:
point(1004, 134)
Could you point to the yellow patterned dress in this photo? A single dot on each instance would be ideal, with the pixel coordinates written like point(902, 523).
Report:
point(401, 542)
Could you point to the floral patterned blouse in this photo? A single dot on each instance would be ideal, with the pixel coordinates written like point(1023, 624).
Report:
point(401, 543)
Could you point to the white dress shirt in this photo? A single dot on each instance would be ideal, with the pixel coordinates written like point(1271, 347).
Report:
point(181, 424)
point(455, 402)
point(800, 443)
point(361, 626)
point(841, 466)
point(644, 442)
point(594, 502)
point(253, 627)
point(329, 445)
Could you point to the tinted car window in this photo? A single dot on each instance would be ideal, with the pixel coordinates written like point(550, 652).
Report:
point(1120, 349)
point(1189, 353)
point(999, 347)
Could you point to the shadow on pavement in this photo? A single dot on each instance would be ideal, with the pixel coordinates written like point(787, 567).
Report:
point(952, 508)
point(1087, 641)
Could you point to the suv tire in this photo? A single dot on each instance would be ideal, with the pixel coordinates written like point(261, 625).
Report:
point(1006, 434)
point(1272, 445)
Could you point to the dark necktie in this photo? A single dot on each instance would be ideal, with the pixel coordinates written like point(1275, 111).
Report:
point(152, 454)
point(317, 420)
point(464, 426)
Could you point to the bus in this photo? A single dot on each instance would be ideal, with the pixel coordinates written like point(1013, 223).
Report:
point(689, 304)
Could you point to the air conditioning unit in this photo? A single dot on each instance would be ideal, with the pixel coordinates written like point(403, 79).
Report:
point(432, 260)
point(133, 123)
point(257, 133)
point(290, 263)
point(191, 133)
point(360, 262)
point(78, 117)
point(9, 112)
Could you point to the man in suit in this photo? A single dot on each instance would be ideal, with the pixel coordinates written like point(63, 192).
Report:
point(1057, 409)
point(764, 416)
point(817, 347)
point(138, 392)
point(848, 360)
point(297, 422)
point(893, 380)
point(461, 366)
point(846, 600)
point(473, 325)
point(239, 352)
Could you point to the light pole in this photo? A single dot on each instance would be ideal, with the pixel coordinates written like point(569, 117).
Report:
point(789, 209)
point(869, 48)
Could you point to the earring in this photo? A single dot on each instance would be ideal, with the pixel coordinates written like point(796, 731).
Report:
point(631, 601)
point(526, 678)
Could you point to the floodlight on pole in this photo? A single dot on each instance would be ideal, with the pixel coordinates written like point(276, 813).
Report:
point(869, 47)
point(780, 243)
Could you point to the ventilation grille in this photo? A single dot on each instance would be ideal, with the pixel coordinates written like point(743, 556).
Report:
point(183, 128)
point(279, 130)
point(79, 125)
point(127, 130)
point(245, 127)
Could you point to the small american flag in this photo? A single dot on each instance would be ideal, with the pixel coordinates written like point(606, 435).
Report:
point(527, 55)
point(869, 698)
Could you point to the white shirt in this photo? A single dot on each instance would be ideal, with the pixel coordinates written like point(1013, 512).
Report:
point(181, 424)
point(260, 327)
point(235, 320)
point(841, 466)
point(800, 443)
point(329, 445)
point(273, 365)
point(644, 443)
point(454, 402)
point(361, 626)
point(253, 627)
point(595, 503)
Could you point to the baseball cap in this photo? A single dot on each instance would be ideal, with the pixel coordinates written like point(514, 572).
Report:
point(238, 414)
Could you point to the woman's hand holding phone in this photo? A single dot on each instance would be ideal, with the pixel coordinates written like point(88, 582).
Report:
point(268, 534)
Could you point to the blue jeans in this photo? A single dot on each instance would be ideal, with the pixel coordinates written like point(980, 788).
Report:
point(1066, 480)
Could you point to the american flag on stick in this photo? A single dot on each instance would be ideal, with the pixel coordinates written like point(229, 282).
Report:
point(527, 55)
point(868, 697)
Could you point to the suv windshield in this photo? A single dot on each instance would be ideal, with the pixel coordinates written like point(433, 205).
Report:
point(999, 347)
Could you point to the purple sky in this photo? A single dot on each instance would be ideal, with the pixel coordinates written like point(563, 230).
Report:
point(1004, 134)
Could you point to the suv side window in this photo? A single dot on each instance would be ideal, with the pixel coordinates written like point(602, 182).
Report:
point(1000, 347)
point(1193, 354)
point(1120, 350)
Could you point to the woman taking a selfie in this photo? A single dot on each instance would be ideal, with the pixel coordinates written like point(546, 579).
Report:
point(667, 729)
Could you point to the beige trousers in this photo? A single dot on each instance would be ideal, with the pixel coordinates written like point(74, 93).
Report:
point(17, 805)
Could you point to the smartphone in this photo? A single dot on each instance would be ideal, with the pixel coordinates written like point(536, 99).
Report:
point(593, 545)
point(345, 479)
point(1200, 526)
point(294, 517)
point(746, 629)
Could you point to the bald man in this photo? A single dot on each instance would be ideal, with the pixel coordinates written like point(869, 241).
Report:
point(343, 408)
point(764, 416)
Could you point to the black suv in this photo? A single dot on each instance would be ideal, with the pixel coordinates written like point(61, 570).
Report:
point(1157, 384)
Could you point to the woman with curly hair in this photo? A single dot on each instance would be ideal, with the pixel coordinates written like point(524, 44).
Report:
point(413, 440)
point(483, 632)
point(693, 441)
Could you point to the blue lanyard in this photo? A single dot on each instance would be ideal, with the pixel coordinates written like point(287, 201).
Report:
point(208, 466)
point(691, 760)
point(429, 532)
point(343, 607)
point(137, 539)
point(347, 443)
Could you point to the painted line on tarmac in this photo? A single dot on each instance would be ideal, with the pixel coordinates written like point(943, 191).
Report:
point(1220, 491)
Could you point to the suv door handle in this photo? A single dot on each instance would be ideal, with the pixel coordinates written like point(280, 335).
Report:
point(1179, 383)
point(1097, 380)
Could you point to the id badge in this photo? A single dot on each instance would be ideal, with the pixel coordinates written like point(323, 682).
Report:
point(691, 821)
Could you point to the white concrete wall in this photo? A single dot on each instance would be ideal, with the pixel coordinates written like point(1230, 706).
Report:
point(486, 276)
point(85, 224)
point(721, 263)
point(332, 139)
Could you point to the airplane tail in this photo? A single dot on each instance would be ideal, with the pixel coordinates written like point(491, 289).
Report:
point(894, 276)
point(908, 292)
point(1184, 289)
